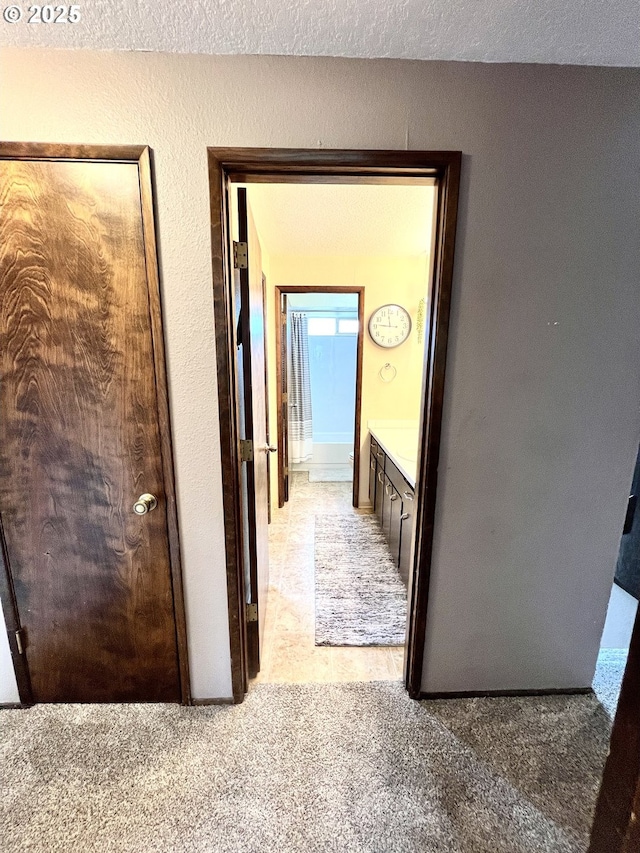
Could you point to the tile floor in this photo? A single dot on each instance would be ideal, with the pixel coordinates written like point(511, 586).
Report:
point(289, 653)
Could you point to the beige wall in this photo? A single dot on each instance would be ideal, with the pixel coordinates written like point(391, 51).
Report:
point(385, 279)
point(541, 419)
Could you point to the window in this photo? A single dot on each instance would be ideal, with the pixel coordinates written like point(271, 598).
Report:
point(330, 326)
point(347, 327)
point(322, 326)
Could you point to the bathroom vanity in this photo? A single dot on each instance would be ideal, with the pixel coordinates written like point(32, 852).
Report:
point(392, 480)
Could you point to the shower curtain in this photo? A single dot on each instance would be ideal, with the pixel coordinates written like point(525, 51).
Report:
point(300, 424)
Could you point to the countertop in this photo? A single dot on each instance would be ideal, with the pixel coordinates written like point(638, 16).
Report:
point(399, 440)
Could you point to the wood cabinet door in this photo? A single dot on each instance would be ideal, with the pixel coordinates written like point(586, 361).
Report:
point(395, 522)
point(379, 505)
point(406, 534)
point(79, 434)
point(372, 479)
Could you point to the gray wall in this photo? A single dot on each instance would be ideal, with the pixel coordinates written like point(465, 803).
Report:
point(541, 420)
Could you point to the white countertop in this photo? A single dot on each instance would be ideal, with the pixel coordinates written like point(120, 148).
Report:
point(399, 440)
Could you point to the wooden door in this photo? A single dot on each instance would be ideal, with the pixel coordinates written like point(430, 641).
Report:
point(256, 493)
point(282, 343)
point(79, 433)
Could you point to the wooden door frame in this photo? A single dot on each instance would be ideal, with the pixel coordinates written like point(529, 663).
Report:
point(266, 385)
point(139, 155)
point(311, 288)
point(306, 166)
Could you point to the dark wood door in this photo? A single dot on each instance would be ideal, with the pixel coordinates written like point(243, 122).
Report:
point(79, 435)
point(255, 431)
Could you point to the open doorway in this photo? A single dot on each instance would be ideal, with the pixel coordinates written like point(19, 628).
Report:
point(384, 497)
point(319, 384)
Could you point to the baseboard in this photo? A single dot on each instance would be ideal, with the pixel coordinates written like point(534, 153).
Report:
point(199, 702)
point(494, 694)
point(15, 706)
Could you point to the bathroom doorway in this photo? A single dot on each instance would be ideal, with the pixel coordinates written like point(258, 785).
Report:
point(319, 341)
point(340, 544)
point(238, 320)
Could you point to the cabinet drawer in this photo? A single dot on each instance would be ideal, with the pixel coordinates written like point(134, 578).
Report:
point(381, 457)
point(397, 479)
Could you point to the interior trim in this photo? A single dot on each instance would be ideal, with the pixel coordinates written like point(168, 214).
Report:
point(312, 288)
point(332, 166)
point(485, 694)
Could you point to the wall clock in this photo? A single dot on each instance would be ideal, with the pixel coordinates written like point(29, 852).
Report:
point(389, 326)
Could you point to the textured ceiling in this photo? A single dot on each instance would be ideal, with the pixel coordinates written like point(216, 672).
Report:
point(582, 32)
point(332, 219)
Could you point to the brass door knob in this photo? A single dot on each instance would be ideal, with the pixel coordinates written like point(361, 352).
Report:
point(145, 504)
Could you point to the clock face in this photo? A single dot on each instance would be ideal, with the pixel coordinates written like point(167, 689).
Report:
point(389, 326)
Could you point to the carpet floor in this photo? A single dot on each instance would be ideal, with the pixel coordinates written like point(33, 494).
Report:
point(319, 768)
point(359, 596)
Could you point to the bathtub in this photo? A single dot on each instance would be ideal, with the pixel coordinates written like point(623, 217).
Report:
point(329, 448)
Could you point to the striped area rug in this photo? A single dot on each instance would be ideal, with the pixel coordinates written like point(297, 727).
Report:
point(360, 597)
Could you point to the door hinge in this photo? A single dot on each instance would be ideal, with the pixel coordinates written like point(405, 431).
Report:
point(246, 450)
point(21, 641)
point(285, 397)
point(240, 255)
point(252, 612)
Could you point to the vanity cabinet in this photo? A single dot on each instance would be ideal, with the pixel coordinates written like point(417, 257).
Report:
point(373, 471)
point(392, 514)
point(376, 478)
point(406, 533)
point(393, 499)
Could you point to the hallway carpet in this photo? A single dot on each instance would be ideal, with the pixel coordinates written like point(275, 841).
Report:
point(323, 768)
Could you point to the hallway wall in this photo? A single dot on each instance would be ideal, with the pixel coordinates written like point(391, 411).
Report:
point(541, 420)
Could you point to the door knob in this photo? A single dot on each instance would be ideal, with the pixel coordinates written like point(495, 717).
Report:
point(145, 504)
point(271, 448)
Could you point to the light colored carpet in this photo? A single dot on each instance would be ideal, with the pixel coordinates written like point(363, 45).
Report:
point(331, 474)
point(349, 768)
point(360, 597)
